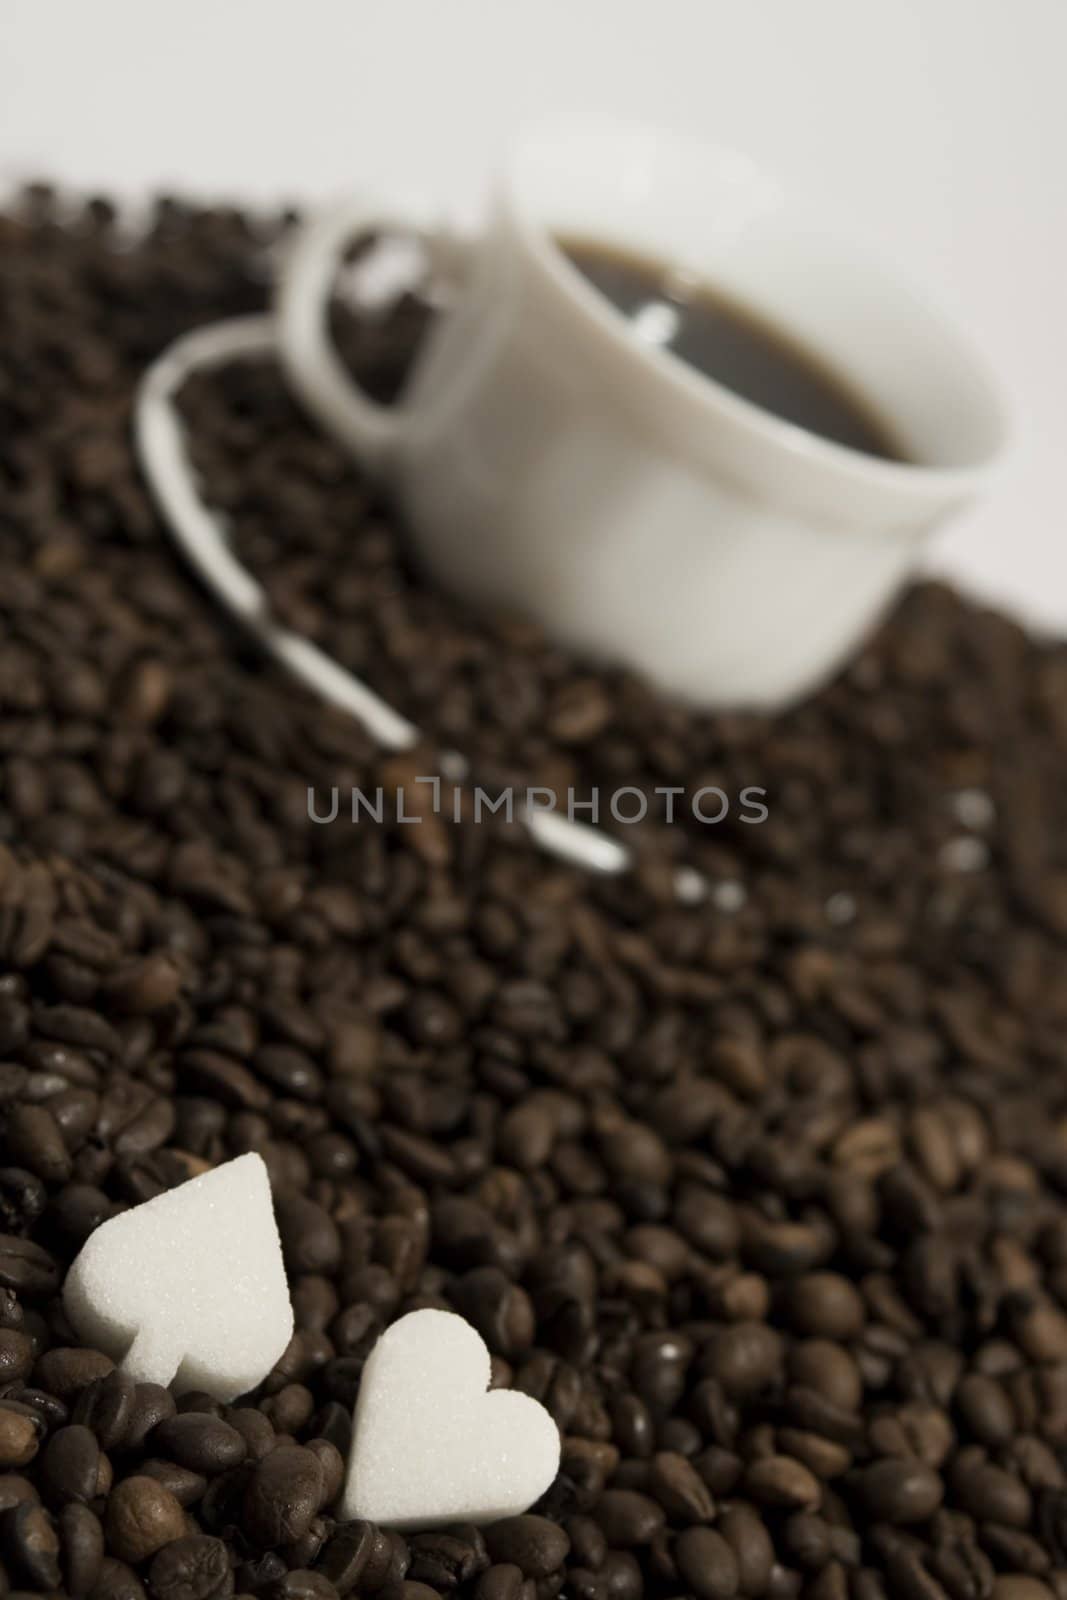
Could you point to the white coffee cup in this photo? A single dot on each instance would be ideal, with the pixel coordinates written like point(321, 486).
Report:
point(548, 461)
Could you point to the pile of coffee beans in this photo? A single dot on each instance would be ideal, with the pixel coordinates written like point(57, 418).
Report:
point(764, 1196)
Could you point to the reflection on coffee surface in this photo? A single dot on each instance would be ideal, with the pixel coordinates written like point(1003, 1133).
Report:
point(732, 344)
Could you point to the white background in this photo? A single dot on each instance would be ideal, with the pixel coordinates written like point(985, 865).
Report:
point(935, 128)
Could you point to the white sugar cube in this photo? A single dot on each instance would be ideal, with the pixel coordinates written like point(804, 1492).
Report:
point(189, 1288)
point(430, 1445)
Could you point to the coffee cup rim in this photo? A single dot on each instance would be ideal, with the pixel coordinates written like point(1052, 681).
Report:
point(805, 449)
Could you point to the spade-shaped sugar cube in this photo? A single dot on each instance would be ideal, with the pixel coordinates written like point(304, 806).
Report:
point(189, 1288)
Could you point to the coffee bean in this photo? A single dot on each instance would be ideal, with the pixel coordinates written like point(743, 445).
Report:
point(105, 1406)
point(67, 1370)
point(150, 1405)
point(1040, 1330)
point(707, 1221)
point(16, 1354)
point(141, 1517)
point(187, 1487)
point(71, 1467)
point(31, 1545)
point(199, 1441)
point(303, 1584)
point(34, 1141)
point(347, 1552)
point(679, 1488)
point(309, 1237)
point(829, 1370)
point(502, 1581)
point(408, 1590)
point(707, 1563)
point(988, 1491)
point(82, 1545)
point(20, 1433)
point(23, 1198)
point(193, 1567)
point(1018, 1586)
point(26, 1267)
point(445, 1561)
point(145, 986)
point(116, 1581)
point(627, 1518)
point(745, 1532)
point(14, 1489)
point(781, 1481)
point(533, 1544)
point(900, 1490)
point(284, 1492)
point(499, 1309)
point(826, 1306)
point(332, 1465)
point(745, 1357)
point(985, 1408)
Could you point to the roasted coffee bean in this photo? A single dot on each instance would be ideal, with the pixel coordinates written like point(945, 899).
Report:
point(117, 1581)
point(781, 1481)
point(985, 1408)
point(987, 1491)
point(67, 1370)
point(259, 1573)
point(825, 1306)
point(333, 1467)
point(16, 1354)
point(533, 1544)
point(284, 1492)
point(34, 1141)
point(26, 1267)
point(255, 1429)
point(707, 1563)
point(199, 1441)
point(745, 1531)
point(445, 1561)
point(628, 1518)
point(81, 1540)
point(900, 1490)
point(347, 1553)
point(23, 1198)
point(194, 1567)
point(105, 1406)
point(499, 1309)
point(309, 1237)
point(745, 1358)
point(72, 1467)
point(187, 1487)
point(31, 1545)
point(828, 1370)
point(303, 1584)
point(1019, 1586)
point(141, 1517)
point(151, 1404)
point(14, 1489)
point(20, 1433)
point(680, 1489)
point(502, 1581)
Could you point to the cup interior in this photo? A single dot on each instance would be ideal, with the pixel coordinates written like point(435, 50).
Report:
point(711, 212)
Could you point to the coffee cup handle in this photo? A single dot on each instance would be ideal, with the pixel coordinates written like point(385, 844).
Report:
point(317, 374)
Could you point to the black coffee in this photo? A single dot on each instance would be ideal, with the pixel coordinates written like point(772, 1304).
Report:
point(733, 344)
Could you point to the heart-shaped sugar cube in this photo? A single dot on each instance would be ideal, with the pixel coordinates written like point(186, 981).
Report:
point(431, 1446)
